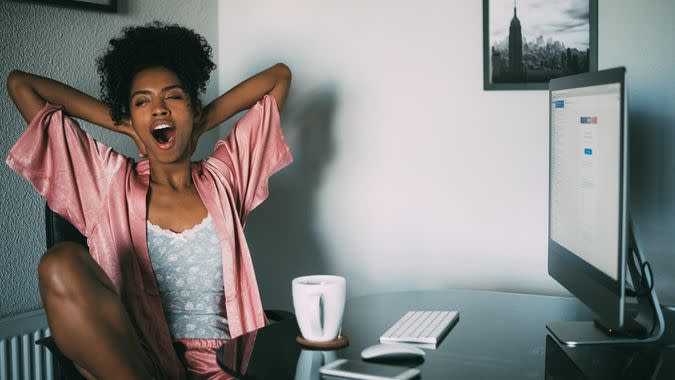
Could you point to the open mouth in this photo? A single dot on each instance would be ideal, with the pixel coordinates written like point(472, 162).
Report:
point(164, 135)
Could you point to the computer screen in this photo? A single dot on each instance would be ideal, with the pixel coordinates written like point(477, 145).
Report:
point(586, 173)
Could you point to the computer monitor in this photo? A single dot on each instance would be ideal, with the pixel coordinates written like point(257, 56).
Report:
point(591, 243)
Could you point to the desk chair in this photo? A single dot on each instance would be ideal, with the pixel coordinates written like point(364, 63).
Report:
point(58, 230)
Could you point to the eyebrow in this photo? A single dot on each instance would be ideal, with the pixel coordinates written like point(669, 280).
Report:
point(167, 88)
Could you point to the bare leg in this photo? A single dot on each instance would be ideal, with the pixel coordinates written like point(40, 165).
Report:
point(86, 316)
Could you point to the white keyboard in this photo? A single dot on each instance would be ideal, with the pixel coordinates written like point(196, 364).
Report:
point(421, 327)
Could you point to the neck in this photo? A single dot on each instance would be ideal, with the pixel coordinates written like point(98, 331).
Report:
point(175, 176)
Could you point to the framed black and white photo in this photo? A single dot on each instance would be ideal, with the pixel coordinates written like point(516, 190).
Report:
point(526, 43)
point(98, 5)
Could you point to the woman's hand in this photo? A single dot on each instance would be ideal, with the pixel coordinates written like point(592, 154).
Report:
point(128, 130)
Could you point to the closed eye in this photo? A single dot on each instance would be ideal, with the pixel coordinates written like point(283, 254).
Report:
point(140, 102)
point(174, 95)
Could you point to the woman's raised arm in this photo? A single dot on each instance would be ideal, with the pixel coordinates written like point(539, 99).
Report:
point(275, 81)
point(29, 93)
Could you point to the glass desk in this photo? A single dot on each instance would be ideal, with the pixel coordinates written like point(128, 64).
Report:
point(498, 336)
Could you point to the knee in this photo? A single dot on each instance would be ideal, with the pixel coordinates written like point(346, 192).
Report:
point(59, 268)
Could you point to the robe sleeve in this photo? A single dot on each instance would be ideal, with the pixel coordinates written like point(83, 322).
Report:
point(254, 150)
point(66, 165)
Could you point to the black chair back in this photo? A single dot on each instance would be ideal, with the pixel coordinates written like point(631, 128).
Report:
point(59, 229)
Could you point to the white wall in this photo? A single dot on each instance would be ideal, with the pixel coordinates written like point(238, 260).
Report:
point(63, 43)
point(418, 178)
point(408, 175)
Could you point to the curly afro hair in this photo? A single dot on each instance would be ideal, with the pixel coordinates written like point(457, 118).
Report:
point(174, 47)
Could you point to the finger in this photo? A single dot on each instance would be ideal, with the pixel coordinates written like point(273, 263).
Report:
point(141, 147)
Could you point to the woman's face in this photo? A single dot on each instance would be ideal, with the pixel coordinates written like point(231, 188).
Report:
point(161, 115)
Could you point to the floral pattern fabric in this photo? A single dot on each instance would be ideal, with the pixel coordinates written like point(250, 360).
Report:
point(189, 275)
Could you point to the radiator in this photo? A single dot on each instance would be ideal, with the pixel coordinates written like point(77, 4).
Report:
point(20, 357)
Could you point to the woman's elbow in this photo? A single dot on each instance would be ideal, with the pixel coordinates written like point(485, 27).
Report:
point(284, 71)
point(14, 79)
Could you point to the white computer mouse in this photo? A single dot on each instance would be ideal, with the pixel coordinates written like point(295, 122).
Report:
point(392, 351)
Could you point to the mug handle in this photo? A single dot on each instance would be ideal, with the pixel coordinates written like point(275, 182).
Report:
point(316, 324)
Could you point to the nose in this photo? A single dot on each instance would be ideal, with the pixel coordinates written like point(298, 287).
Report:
point(160, 109)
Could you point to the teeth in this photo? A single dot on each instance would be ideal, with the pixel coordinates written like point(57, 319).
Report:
point(161, 126)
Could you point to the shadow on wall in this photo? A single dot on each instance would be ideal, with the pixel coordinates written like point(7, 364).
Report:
point(282, 233)
point(652, 205)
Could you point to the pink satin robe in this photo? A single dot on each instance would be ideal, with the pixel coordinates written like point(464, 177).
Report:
point(103, 194)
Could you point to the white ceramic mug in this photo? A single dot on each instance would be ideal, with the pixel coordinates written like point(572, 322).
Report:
point(319, 302)
point(309, 363)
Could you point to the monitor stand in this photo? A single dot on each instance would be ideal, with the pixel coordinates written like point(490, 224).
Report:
point(643, 321)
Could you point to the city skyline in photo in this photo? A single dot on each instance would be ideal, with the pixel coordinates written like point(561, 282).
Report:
point(566, 22)
point(557, 43)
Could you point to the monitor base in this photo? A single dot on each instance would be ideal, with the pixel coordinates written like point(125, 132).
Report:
point(643, 320)
point(574, 333)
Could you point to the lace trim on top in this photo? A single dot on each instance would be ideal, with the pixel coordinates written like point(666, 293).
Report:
point(185, 233)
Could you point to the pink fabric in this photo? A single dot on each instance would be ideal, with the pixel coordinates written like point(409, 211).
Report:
point(103, 194)
point(200, 357)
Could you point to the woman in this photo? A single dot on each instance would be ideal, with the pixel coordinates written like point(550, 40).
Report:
point(167, 260)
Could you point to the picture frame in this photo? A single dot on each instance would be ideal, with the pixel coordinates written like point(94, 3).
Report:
point(97, 5)
point(555, 41)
